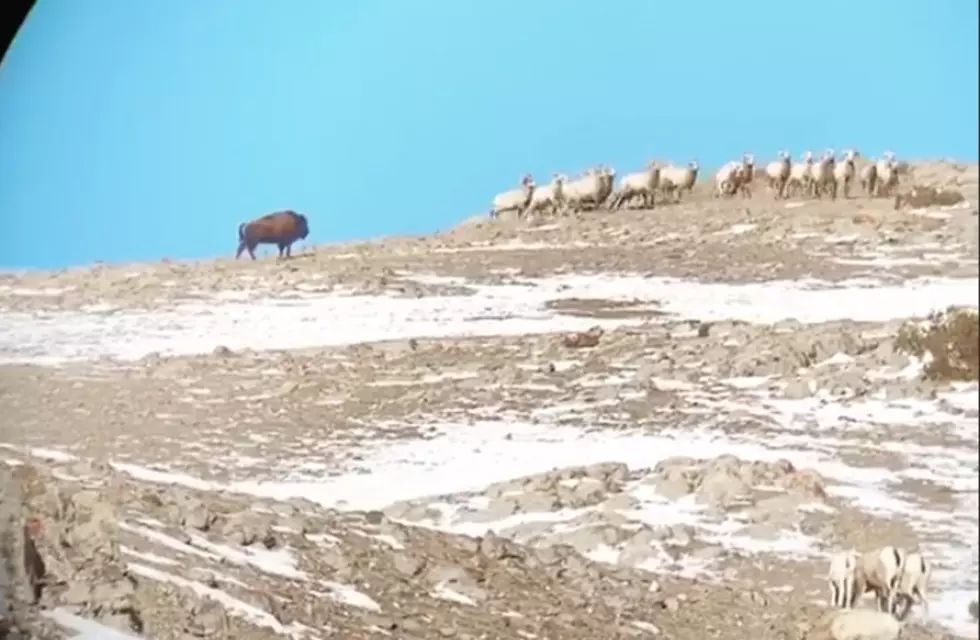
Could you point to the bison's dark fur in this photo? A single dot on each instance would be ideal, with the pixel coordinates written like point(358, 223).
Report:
point(281, 228)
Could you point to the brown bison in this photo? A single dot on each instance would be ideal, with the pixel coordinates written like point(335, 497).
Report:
point(281, 228)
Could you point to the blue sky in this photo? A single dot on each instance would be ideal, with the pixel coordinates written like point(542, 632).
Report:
point(137, 130)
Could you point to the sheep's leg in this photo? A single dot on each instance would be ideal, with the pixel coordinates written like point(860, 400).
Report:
point(834, 594)
point(922, 598)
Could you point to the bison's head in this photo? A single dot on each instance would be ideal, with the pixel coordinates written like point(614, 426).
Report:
point(302, 226)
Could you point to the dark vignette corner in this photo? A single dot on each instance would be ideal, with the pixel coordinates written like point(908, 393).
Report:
point(12, 16)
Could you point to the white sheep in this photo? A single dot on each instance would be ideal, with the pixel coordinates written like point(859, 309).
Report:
point(800, 175)
point(823, 176)
point(843, 579)
point(747, 175)
point(515, 199)
point(676, 180)
point(844, 172)
point(869, 178)
point(585, 189)
point(913, 584)
point(777, 173)
point(879, 572)
point(643, 183)
point(607, 177)
point(548, 197)
point(865, 624)
point(887, 171)
point(736, 177)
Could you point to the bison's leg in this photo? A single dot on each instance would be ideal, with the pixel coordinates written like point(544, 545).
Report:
point(241, 248)
point(289, 250)
point(251, 250)
point(282, 248)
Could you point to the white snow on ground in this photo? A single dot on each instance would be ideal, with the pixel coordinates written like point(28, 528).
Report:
point(84, 628)
point(470, 457)
point(308, 320)
point(465, 458)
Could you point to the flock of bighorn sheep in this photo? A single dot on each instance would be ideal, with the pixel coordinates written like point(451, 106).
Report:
point(898, 579)
point(785, 178)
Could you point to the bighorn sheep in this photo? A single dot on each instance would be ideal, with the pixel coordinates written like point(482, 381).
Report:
point(869, 179)
point(747, 175)
point(801, 175)
point(824, 175)
point(547, 197)
point(643, 183)
point(777, 173)
point(734, 177)
point(607, 179)
point(845, 171)
point(880, 572)
point(675, 180)
point(843, 579)
point(515, 199)
point(887, 172)
point(913, 584)
point(586, 189)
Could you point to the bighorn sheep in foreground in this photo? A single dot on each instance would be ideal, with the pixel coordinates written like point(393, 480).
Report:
point(676, 180)
point(515, 199)
point(800, 175)
point(880, 571)
point(843, 579)
point(777, 173)
point(644, 183)
point(824, 175)
point(913, 584)
point(547, 197)
point(845, 171)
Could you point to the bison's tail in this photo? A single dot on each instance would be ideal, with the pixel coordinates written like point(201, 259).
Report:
point(241, 232)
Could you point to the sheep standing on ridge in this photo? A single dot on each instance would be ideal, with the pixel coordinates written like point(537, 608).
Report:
point(845, 171)
point(887, 172)
point(843, 579)
point(879, 572)
point(913, 584)
point(735, 176)
point(676, 180)
point(515, 199)
point(548, 197)
point(644, 184)
point(869, 179)
point(823, 176)
point(777, 173)
point(586, 189)
point(747, 175)
point(607, 177)
point(800, 176)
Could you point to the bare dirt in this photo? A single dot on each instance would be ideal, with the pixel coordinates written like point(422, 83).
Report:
point(169, 561)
